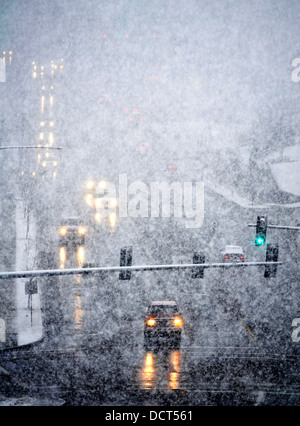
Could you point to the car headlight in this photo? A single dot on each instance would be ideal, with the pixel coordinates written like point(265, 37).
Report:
point(90, 185)
point(151, 322)
point(113, 203)
point(63, 230)
point(177, 322)
point(82, 230)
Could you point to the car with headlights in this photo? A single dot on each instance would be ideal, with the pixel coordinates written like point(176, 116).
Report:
point(163, 324)
point(233, 254)
point(72, 232)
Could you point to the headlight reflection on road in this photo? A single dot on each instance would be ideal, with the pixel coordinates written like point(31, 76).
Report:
point(161, 371)
point(148, 372)
point(89, 199)
point(62, 257)
point(175, 370)
point(78, 311)
point(98, 217)
point(80, 256)
point(112, 220)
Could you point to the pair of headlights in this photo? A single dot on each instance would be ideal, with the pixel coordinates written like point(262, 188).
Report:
point(176, 322)
point(63, 230)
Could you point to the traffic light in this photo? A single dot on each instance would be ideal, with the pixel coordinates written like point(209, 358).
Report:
point(125, 260)
point(198, 271)
point(261, 230)
point(271, 256)
point(31, 286)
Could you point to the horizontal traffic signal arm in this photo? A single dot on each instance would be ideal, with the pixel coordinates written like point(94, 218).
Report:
point(137, 268)
point(58, 148)
point(294, 228)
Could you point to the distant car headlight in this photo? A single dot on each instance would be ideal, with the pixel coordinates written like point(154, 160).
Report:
point(90, 185)
point(177, 322)
point(63, 230)
point(97, 217)
point(113, 202)
point(151, 322)
point(82, 230)
point(98, 202)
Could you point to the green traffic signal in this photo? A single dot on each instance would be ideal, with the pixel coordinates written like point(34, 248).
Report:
point(260, 240)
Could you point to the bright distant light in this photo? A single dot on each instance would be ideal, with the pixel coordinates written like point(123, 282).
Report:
point(98, 217)
point(90, 184)
point(113, 202)
point(102, 184)
point(98, 203)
